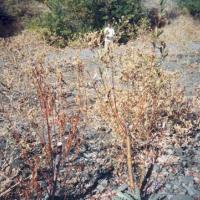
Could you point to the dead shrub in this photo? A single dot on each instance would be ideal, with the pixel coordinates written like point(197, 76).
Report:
point(141, 104)
point(37, 104)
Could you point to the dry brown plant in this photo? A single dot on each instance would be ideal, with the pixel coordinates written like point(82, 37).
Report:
point(36, 93)
point(135, 98)
point(142, 106)
point(181, 30)
point(88, 40)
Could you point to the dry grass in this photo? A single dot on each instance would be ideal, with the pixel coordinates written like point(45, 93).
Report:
point(135, 97)
point(33, 95)
point(182, 29)
point(140, 103)
point(88, 40)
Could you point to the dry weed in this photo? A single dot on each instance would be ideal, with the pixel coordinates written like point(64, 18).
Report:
point(88, 40)
point(140, 103)
point(181, 30)
point(35, 93)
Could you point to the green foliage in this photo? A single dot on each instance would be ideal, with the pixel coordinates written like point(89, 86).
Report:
point(192, 5)
point(126, 30)
point(66, 18)
point(162, 7)
point(14, 7)
point(59, 20)
point(113, 10)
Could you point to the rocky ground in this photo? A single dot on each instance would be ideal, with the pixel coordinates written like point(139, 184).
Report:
point(92, 174)
point(180, 166)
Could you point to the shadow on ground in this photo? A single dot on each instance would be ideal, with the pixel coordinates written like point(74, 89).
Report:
point(9, 25)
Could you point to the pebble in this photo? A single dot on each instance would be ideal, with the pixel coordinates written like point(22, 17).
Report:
point(102, 186)
point(181, 197)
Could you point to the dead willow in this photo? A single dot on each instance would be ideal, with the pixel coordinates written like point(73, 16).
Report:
point(47, 142)
point(138, 100)
point(55, 119)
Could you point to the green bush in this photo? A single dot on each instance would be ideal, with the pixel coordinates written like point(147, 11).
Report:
point(66, 18)
point(193, 6)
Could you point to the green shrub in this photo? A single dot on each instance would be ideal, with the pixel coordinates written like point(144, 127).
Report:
point(66, 18)
point(193, 6)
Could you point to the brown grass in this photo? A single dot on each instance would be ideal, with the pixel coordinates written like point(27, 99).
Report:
point(182, 29)
point(135, 98)
point(35, 91)
point(140, 103)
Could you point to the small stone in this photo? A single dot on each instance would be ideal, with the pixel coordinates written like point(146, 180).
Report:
point(123, 187)
point(168, 186)
point(103, 129)
point(104, 182)
point(156, 167)
point(197, 179)
point(42, 184)
point(2, 178)
point(170, 151)
point(8, 170)
point(176, 184)
point(102, 185)
point(178, 152)
point(162, 159)
point(2, 143)
point(182, 197)
point(90, 155)
point(186, 179)
point(191, 190)
point(184, 163)
point(100, 188)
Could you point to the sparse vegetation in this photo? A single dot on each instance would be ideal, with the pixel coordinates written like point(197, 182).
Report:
point(137, 102)
point(67, 19)
point(88, 124)
point(193, 6)
point(46, 140)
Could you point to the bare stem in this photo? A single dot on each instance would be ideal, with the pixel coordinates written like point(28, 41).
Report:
point(129, 162)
